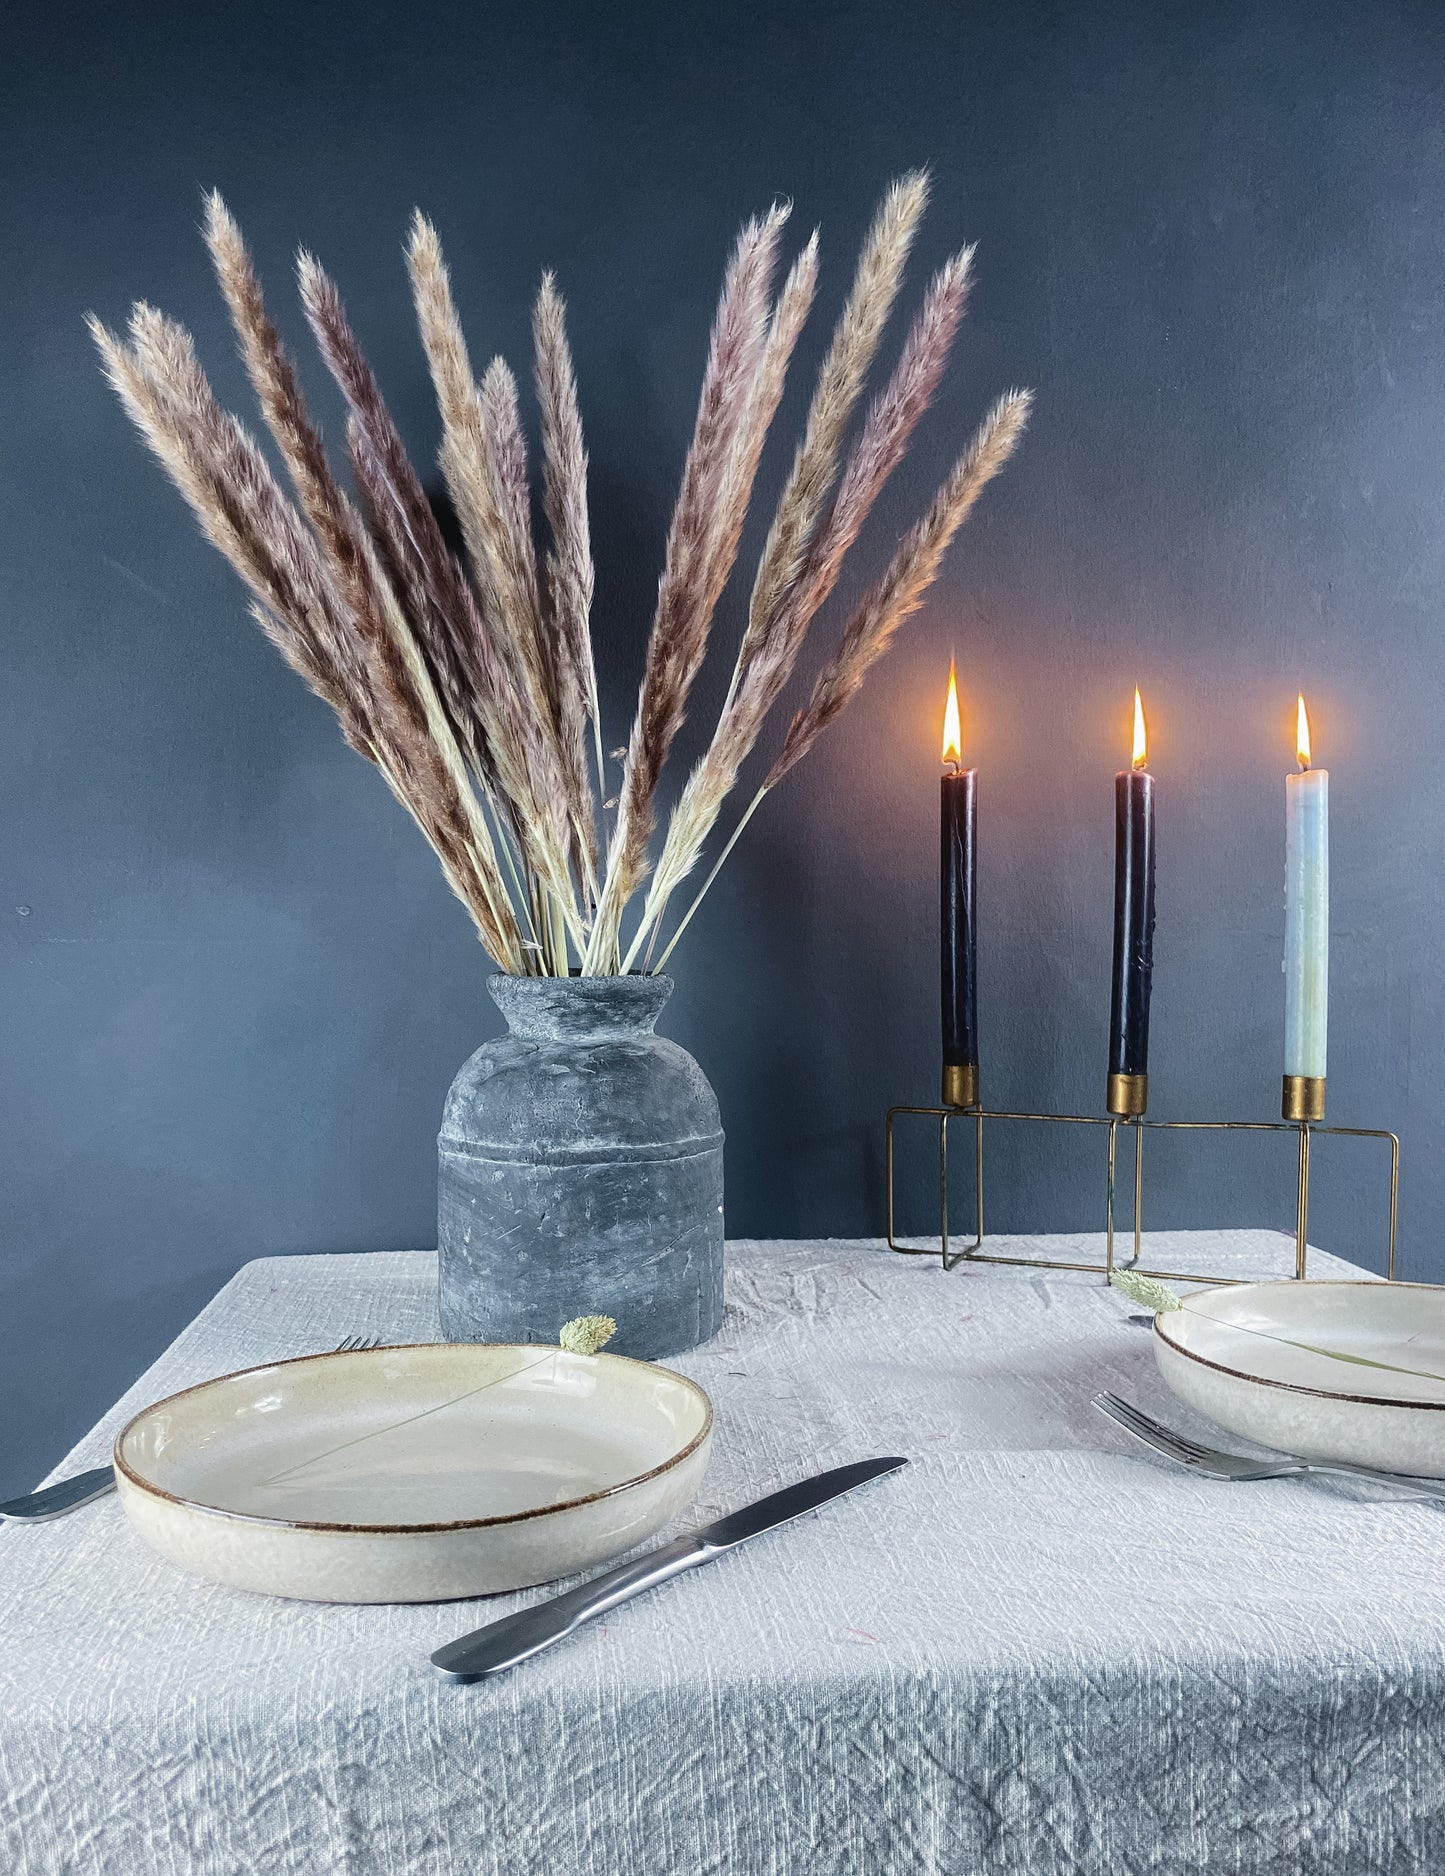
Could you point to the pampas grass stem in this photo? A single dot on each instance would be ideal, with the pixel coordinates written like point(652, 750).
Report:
point(470, 681)
point(570, 576)
point(761, 675)
point(680, 626)
point(717, 866)
point(897, 595)
point(900, 592)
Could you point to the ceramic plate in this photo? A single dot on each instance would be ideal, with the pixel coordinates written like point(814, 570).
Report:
point(413, 1474)
point(1352, 1371)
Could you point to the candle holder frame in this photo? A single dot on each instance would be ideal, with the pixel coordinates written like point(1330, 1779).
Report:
point(1303, 1130)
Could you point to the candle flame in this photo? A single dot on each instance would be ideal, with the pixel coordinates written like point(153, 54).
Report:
point(1302, 734)
point(952, 731)
point(1141, 735)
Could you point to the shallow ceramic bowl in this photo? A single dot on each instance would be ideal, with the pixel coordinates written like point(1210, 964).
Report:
point(413, 1474)
point(1352, 1371)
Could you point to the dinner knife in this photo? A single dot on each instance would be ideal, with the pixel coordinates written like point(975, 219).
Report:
point(503, 1644)
point(53, 1501)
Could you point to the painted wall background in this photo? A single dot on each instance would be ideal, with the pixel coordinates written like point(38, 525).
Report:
point(234, 986)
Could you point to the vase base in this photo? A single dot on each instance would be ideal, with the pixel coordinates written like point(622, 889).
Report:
point(522, 1251)
point(669, 1319)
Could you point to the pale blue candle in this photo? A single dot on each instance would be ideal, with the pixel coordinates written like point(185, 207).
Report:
point(1307, 913)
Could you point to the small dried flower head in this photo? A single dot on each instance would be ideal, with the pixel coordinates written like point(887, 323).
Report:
point(1147, 1291)
point(585, 1335)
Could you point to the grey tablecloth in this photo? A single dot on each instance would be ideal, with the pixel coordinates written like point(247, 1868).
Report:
point(1034, 1650)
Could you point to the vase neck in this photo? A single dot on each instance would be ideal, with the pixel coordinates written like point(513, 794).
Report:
point(579, 1009)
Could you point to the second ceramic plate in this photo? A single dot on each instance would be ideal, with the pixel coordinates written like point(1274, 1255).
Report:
point(1352, 1371)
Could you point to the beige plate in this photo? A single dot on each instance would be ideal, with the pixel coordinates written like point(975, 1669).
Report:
point(413, 1474)
point(1352, 1371)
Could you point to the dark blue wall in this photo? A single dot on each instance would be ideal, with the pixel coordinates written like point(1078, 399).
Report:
point(234, 986)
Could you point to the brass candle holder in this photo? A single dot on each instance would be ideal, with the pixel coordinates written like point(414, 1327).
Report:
point(1302, 1108)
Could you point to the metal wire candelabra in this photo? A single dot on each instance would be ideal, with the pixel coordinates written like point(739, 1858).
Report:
point(1303, 1109)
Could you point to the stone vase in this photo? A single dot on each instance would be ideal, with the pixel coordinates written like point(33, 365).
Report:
point(581, 1173)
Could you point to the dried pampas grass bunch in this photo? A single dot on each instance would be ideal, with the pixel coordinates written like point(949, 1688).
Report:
point(471, 683)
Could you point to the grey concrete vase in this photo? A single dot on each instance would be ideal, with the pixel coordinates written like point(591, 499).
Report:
point(581, 1173)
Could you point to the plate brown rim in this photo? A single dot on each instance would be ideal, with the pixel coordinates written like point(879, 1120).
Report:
point(1296, 1387)
point(151, 1489)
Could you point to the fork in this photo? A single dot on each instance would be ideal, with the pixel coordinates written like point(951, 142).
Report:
point(53, 1501)
point(1235, 1466)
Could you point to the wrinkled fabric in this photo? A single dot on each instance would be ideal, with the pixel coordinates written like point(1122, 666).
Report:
point(1037, 1649)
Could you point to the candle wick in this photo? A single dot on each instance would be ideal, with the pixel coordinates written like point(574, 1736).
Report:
point(955, 765)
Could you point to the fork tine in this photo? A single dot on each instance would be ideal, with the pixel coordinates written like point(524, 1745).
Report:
point(1121, 1410)
point(1170, 1435)
point(1181, 1440)
point(1150, 1431)
point(1117, 1410)
point(1215, 1463)
point(1187, 1445)
point(1127, 1413)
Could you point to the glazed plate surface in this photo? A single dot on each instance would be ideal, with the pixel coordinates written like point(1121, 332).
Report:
point(414, 1474)
point(1352, 1371)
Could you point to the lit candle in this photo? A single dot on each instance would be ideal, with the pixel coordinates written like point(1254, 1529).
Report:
point(1306, 930)
point(1128, 1092)
point(958, 879)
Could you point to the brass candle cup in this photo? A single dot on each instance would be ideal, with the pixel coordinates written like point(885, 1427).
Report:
point(1304, 1098)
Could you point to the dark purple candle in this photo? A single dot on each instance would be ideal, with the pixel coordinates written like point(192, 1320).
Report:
point(1133, 929)
point(957, 927)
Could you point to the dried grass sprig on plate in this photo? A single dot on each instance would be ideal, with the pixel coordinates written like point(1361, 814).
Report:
point(472, 685)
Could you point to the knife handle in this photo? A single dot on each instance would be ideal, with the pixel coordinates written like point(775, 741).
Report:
point(502, 1644)
point(55, 1500)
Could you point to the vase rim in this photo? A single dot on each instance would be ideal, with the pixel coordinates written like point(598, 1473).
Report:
point(578, 1008)
point(524, 980)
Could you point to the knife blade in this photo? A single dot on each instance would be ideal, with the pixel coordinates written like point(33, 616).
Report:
point(53, 1501)
point(516, 1637)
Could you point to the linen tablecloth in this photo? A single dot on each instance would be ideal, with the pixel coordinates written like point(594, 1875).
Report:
point(1036, 1649)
